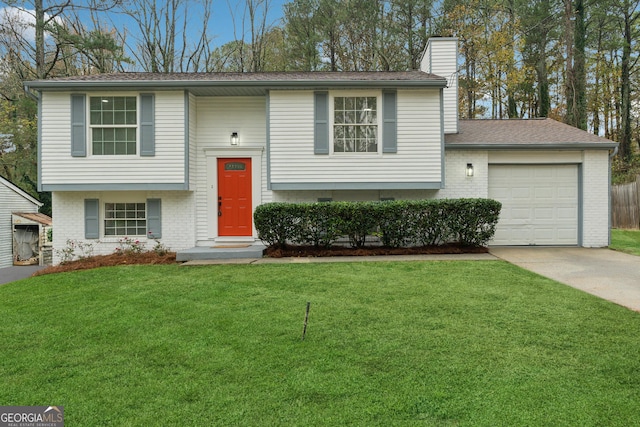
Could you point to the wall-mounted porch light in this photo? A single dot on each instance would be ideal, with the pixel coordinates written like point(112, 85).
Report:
point(469, 169)
point(234, 138)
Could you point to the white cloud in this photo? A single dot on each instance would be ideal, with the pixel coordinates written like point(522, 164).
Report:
point(14, 20)
point(19, 21)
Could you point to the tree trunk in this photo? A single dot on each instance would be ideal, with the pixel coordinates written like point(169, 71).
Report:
point(625, 91)
point(569, 82)
point(40, 66)
point(544, 102)
point(579, 68)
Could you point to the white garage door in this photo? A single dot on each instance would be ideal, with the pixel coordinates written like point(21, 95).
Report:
point(539, 204)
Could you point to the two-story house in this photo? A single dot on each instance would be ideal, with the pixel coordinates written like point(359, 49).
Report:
point(186, 158)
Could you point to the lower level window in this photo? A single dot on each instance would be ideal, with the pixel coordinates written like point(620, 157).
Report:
point(125, 219)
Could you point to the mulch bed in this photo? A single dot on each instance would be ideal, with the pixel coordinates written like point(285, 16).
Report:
point(312, 251)
point(109, 261)
point(272, 252)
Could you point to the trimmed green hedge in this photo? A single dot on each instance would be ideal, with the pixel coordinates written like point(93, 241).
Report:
point(401, 223)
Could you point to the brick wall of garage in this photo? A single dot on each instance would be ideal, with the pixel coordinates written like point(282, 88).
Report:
point(596, 198)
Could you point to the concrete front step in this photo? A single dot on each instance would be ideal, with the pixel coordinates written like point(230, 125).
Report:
point(223, 251)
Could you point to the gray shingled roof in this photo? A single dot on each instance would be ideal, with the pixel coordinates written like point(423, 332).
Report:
point(261, 77)
point(262, 80)
point(533, 133)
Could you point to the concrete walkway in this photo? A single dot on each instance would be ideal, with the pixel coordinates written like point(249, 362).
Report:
point(312, 260)
point(611, 275)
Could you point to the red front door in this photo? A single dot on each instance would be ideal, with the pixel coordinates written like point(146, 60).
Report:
point(234, 197)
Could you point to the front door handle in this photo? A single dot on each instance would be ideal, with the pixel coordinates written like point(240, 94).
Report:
point(219, 213)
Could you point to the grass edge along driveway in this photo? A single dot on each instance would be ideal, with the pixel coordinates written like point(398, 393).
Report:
point(627, 241)
point(390, 343)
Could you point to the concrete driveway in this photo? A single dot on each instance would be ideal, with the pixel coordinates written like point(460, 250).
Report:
point(614, 276)
point(11, 274)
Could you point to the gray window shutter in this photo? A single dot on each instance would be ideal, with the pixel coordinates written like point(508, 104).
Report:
point(78, 126)
point(154, 218)
point(321, 130)
point(389, 122)
point(147, 125)
point(91, 218)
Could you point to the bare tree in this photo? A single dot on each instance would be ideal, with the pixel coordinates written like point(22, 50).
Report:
point(29, 30)
point(250, 34)
point(164, 44)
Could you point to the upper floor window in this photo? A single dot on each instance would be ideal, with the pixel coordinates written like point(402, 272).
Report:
point(355, 124)
point(113, 122)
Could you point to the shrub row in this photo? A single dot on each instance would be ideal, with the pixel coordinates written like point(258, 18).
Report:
point(402, 223)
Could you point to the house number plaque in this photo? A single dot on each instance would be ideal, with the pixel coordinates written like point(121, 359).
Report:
point(234, 166)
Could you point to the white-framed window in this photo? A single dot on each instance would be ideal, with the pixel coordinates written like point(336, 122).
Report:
point(113, 122)
point(125, 219)
point(356, 123)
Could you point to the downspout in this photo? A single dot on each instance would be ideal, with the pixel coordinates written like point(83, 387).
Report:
point(611, 156)
point(39, 134)
point(30, 94)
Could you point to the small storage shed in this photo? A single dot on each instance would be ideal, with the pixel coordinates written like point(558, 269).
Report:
point(32, 243)
point(12, 199)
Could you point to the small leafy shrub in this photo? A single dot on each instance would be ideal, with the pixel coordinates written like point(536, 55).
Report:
point(160, 248)
point(318, 225)
point(358, 220)
point(430, 224)
point(276, 223)
point(129, 246)
point(396, 224)
point(473, 223)
point(75, 249)
point(401, 223)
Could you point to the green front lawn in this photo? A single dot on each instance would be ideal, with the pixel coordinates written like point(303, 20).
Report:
point(388, 344)
point(626, 241)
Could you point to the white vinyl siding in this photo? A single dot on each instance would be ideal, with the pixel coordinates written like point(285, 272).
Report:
point(217, 118)
point(193, 134)
point(10, 201)
point(60, 168)
point(441, 58)
point(419, 136)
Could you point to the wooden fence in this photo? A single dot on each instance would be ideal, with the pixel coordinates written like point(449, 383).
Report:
point(625, 205)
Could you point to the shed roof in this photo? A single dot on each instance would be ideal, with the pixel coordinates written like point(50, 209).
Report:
point(35, 217)
point(523, 133)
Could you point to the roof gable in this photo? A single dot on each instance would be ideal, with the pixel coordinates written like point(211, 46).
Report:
point(11, 186)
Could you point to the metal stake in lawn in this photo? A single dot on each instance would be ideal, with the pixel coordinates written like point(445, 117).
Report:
point(306, 320)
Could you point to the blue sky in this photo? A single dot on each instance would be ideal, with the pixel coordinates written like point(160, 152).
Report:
point(223, 15)
point(221, 26)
